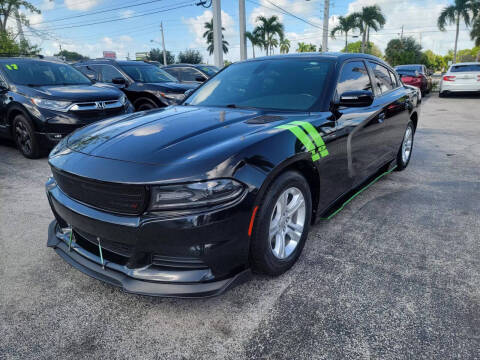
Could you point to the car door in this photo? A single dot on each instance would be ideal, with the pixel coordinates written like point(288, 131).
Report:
point(363, 126)
point(392, 103)
point(4, 100)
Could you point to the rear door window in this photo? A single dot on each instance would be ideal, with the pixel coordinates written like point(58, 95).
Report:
point(109, 73)
point(382, 77)
point(190, 74)
point(354, 76)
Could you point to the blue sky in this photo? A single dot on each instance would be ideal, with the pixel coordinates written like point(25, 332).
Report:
point(139, 23)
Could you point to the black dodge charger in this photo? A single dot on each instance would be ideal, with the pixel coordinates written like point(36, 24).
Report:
point(186, 201)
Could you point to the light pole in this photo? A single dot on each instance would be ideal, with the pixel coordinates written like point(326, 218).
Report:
point(217, 33)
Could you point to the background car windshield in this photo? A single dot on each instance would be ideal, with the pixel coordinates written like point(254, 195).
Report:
point(209, 70)
point(270, 84)
point(39, 73)
point(465, 68)
point(147, 73)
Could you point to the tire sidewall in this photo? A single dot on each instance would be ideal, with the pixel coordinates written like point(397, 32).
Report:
point(264, 261)
point(400, 163)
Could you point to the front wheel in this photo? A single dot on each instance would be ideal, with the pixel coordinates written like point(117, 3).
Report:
point(24, 137)
point(282, 225)
point(405, 151)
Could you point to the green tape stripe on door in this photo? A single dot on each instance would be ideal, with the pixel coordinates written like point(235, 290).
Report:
point(300, 134)
point(310, 129)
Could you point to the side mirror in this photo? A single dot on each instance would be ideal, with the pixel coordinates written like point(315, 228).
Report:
point(357, 98)
point(200, 79)
point(188, 93)
point(119, 81)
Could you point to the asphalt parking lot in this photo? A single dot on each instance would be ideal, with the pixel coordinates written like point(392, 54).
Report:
point(395, 275)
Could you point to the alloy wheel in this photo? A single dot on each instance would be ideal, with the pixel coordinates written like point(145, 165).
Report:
point(407, 144)
point(287, 223)
point(22, 135)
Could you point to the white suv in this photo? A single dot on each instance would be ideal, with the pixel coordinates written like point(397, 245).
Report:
point(461, 77)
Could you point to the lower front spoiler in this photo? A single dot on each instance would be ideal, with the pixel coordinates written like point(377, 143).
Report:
point(141, 287)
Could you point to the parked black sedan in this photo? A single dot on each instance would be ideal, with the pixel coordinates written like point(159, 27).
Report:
point(42, 101)
point(186, 201)
point(146, 85)
point(191, 73)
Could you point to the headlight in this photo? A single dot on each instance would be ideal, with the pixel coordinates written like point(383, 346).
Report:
point(51, 104)
point(193, 195)
point(173, 97)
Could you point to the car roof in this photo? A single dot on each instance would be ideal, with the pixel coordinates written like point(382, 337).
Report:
point(339, 56)
point(113, 61)
point(466, 63)
point(183, 65)
point(25, 59)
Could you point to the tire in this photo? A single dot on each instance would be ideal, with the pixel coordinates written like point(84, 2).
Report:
point(407, 146)
point(145, 105)
point(25, 138)
point(442, 94)
point(266, 255)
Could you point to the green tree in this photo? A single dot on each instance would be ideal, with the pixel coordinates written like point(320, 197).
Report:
point(465, 10)
point(9, 47)
point(370, 17)
point(71, 55)
point(9, 8)
point(403, 51)
point(190, 57)
point(156, 54)
point(475, 33)
point(433, 61)
point(255, 39)
point(284, 46)
point(302, 47)
point(268, 29)
point(356, 47)
point(346, 24)
point(208, 35)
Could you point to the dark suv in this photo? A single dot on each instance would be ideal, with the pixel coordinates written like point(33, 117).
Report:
point(191, 73)
point(42, 101)
point(146, 85)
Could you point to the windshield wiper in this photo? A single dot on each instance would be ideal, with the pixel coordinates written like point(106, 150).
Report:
point(232, 106)
point(34, 85)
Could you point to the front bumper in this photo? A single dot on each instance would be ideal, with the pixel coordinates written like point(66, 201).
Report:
point(181, 256)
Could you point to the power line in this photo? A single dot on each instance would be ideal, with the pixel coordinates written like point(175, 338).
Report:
point(295, 16)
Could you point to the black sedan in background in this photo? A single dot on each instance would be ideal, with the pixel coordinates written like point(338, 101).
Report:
point(42, 101)
point(186, 201)
point(146, 85)
point(191, 73)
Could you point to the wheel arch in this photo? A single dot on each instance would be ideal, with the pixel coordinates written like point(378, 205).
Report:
point(15, 110)
point(306, 168)
point(414, 118)
point(144, 97)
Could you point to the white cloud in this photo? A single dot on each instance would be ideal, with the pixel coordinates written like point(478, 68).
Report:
point(300, 8)
point(47, 5)
point(81, 4)
point(127, 14)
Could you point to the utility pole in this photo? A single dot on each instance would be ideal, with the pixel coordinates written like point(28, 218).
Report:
point(163, 45)
point(326, 15)
point(401, 34)
point(243, 42)
point(217, 33)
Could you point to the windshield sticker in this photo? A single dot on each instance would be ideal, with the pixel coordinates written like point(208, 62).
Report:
point(300, 129)
point(12, 67)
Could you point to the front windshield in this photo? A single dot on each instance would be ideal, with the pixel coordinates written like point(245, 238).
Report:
point(209, 69)
point(42, 73)
point(282, 84)
point(147, 73)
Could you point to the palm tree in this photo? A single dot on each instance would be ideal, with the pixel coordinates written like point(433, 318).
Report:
point(302, 47)
point(346, 24)
point(475, 33)
point(268, 29)
point(369, 17)
point(208, 35)
point(284, 46)
point(254, 39)
point(465, 10)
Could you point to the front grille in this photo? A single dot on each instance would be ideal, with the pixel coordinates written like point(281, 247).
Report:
point(177, 262)
point(88, 116)
point(116, 198)
point(90, 244)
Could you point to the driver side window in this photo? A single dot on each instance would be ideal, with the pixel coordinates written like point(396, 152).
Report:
point(354, 77)
point(109, 73)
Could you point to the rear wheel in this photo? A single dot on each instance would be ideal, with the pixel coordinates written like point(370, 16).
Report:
point(405, 151)
point(282, 225)
point(24, 137)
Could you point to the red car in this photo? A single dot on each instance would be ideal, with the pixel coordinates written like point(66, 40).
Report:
point(416, 75)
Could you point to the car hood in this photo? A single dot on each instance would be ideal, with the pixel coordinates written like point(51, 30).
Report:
point(74, 93)
point(165, 136)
